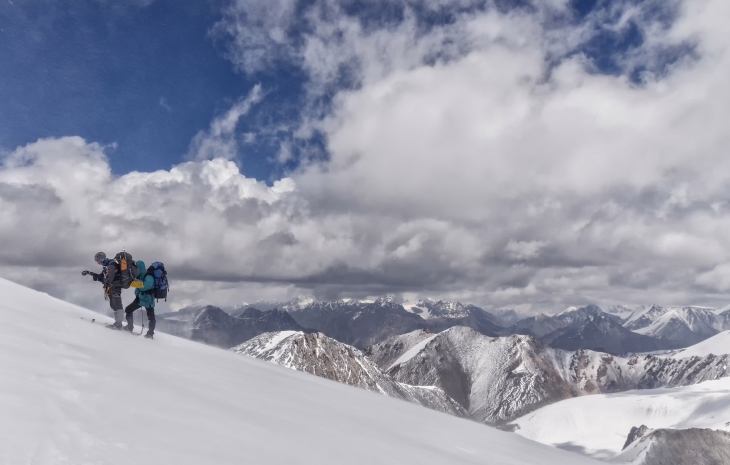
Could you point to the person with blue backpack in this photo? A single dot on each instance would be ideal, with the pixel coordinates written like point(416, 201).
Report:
point(151, 285)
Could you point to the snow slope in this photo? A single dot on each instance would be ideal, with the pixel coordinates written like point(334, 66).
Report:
point(598, 425)
point(718, 345)
point(74, 392)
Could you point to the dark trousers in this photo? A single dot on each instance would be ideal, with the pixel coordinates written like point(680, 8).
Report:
point(130, 314)
point(115, 302)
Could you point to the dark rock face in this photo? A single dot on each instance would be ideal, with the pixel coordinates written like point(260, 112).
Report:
point(589, 328)
point(548, 326)
point(634, 434)
point(694, 446)
point(362, 324)
point(604, 334)
point(359, 324)
point(211, 325)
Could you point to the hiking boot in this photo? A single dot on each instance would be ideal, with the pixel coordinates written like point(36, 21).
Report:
point(116, 326)
point(128, 328)
point(149, 335)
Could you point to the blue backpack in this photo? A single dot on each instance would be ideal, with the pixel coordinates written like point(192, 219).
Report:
point(157, 270)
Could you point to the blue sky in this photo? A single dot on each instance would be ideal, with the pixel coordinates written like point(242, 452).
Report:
point(148, 76)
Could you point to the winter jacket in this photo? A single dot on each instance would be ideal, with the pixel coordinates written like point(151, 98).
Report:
point(145, 294)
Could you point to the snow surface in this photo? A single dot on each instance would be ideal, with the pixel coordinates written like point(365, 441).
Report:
point(278, 337)
point(718, 344)
point(74, 392)
point(412, 352)
point(598, 425)
point(416, 308)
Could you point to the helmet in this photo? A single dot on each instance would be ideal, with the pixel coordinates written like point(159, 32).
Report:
point(99, 258)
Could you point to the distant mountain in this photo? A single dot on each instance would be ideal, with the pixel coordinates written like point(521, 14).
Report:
point(499, 379)
point(362, 323)
point(506, 317)
point(543, 325)
point(685, 325)
point(590, 327)
point(620, 311)
point(213, 326)
point(603, 334)
point(694, 446)
point(443, 314)
point(355, 322)
point(688, 325)
point(323, 356)
point(644, 316)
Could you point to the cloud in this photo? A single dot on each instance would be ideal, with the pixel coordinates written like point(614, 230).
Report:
point(259, 30)
point(220, 140)
point(486, 158)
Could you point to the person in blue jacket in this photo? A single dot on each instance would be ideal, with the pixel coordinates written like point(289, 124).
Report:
point(144, 297)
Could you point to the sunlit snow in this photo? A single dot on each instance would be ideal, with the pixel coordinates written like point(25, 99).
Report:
point(598, 425)
point(74, 392)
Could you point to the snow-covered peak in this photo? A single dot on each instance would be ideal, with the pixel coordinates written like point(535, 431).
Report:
point(388, 299)
point(298, 303)
point(644, 316)
point(443, 309)
point(683, 324)
point(568, 311)
point(621, 311)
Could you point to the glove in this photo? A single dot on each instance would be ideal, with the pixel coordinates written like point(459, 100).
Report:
point(137, 284)
point(84, 273)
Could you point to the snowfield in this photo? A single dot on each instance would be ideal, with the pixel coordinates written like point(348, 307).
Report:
point(598, 425)
point(718, 344)
point(74, 392)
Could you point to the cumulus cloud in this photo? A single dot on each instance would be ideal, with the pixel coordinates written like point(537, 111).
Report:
point(486, 158)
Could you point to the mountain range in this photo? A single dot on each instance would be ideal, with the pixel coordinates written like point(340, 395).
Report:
point(362, 323)
point(495, 380)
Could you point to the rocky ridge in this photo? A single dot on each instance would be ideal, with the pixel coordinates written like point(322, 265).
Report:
point(325, 357)
point(499, 379)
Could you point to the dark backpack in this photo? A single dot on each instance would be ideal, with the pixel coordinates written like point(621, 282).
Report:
point(157, 271)
point(127, 270)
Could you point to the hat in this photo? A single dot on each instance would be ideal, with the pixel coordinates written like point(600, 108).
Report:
point(100, 257)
